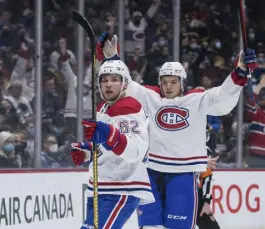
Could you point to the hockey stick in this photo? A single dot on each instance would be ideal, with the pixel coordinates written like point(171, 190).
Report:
point(87, 27)
point(242, 21)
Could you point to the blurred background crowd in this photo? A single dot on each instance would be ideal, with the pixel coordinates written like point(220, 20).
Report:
point(209, 43)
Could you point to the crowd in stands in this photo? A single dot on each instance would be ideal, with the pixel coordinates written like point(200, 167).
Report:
point(209, 43)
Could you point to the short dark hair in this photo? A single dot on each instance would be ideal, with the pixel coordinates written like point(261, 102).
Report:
point(46, 136)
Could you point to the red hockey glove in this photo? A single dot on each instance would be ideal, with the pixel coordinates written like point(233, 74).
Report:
point(81, 152)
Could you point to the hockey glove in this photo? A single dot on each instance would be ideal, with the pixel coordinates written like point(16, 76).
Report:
point(106, 49)
point(81, 152)
point(108, 135)
point(245, 60)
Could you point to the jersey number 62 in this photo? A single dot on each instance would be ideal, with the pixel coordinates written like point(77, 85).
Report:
point(129, 127)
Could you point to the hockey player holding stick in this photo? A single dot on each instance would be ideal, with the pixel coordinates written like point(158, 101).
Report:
point(177, 138)
point(122, 137)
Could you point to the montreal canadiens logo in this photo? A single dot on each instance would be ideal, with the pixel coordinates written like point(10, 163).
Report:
point(172, 118)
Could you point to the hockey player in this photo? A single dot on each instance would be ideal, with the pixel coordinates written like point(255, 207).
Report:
point(122, 137)
point(177, 137)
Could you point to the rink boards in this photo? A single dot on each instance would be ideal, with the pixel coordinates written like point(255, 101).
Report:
point(56, 199)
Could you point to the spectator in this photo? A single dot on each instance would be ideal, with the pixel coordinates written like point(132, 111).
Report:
point(252, 39)
point(9, 118)
point(55, 55)
point(136, 65)
point(154, 60)
point(19, 102)
point(136, 25)
point(52, 104)
point(70, 111)
point(8, 158)
point(50, 157)
point(21, 148)
point(256, 117)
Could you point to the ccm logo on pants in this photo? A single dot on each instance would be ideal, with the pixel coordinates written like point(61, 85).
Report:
point(178, 217)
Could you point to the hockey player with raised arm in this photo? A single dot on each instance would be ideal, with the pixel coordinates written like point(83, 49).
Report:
point(121, 134)
point(177, 149)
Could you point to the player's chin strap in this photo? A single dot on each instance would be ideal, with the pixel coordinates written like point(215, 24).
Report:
point(181, 86)
point(113, 101)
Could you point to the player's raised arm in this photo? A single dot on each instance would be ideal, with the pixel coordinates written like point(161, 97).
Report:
point(221, 100)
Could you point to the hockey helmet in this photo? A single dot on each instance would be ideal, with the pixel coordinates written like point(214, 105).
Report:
point(114, 67)
point(173, 69)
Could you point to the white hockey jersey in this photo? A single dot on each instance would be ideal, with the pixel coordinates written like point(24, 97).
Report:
point(124, 174)
point(177, 126)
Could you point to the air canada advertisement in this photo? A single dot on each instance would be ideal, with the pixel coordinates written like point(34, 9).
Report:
point(43, 199)
point(47, 200)
point(36, 208)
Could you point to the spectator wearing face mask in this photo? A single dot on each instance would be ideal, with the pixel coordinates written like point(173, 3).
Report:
point(193, 44)
point(135, 27)
point(8, 157)
point(261, 60)
point(50, 156)
point(252, 39)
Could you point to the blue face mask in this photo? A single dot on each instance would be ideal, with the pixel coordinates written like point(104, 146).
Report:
point(57, 131)
point(8, 148)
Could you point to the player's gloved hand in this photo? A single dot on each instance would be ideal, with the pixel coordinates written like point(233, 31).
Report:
point(106, 49)
point(81, 152)
point(108, 135)
point(100, 132)
point(100, 45)
point(110, 48)
point(246, 60)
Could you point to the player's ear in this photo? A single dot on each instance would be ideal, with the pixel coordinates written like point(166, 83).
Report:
point(125, 87)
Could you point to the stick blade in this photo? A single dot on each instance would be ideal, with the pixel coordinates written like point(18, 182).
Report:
point(78, 18)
